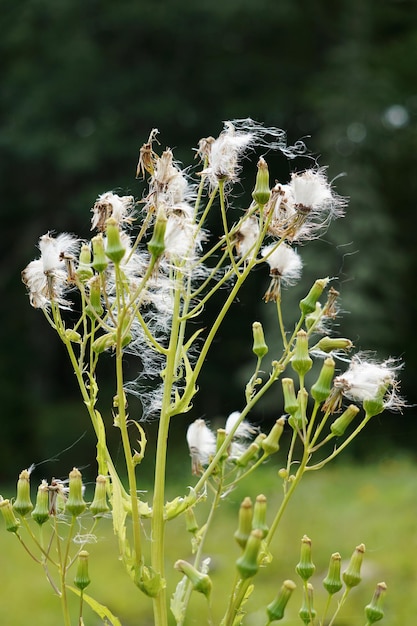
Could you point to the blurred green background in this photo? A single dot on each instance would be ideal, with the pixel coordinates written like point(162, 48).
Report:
point(84, 81)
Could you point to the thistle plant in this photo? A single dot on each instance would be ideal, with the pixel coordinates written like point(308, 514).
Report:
point(140, 285)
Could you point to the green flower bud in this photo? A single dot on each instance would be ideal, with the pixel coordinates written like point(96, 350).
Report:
point(84, 270)
point(115, 250)
point(352, 576)
point(106, 341)
point(262, 193)
point(174, 507)
point(259, 515)
point(340, 424)
point(244, 528)
point(23, 505)
point(260, 349)
point(99, 256)
point(221, 436)
point(191, 521)
point(41, 511)
point(375, 406)
point(99, 504)
point(199, 581)
point(308, 304)
point(328, 344)
point(305, 568)
point(156, 245)
point(148, 580)
point(6, 509)
point(75, 504)
point(290, 400)
point(283, 473)
point(82, 579)
point(270, 444)
point(373, 610)
point(247, 564)
point(126, 334)
point(95, 308)
point(72, 335)
point(276, 608)
point(322, 387)
point(307, 612)
point(248, 455)
point(332, 582)
point(313, 318)
point(298, 419)
point(260, 439)
point(301, 361)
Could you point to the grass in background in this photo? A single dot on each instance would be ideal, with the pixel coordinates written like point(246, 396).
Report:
point(338, 508)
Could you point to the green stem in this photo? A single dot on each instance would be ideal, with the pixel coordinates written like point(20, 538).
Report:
point(158, 522)
point(220, 452)
point(326, 609)
point(32, 556)
point(319, 427)
point(252, 468)
point(342, 446)
point(339, 605)
point(225, 227)
point(122, 423)
point(215, 327)
point(197, 559)
point(297, 478)
point(236, 601)
point(104, 460)
point(81, 607)
point(62, 576)
point(281, 323)
point(65, 562)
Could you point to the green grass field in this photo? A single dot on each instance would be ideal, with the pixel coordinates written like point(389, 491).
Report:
point(338, 508)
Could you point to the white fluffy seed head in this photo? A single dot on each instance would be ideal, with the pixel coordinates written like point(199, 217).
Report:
point(238, 136)
point(284, 262)
point(244, 431)
point(311, 189)
point(246, 237)
point(180, 238)
point(54, 250)
point(201, 443)
point(109, 204)
point(46, 278)
point(365, 378)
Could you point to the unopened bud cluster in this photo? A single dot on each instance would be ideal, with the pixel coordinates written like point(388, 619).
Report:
point(53, 499)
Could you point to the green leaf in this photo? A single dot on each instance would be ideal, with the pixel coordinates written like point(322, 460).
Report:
point(102, 611)
point(191, 340)
point(138, 456)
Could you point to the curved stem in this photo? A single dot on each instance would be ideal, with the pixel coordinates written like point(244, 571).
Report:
point(342, 446)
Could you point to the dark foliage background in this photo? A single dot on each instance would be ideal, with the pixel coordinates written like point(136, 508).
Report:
point(84, 81)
